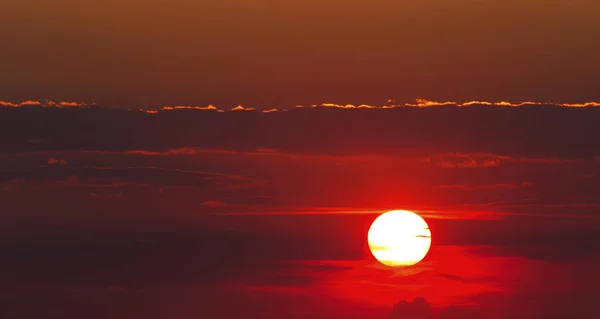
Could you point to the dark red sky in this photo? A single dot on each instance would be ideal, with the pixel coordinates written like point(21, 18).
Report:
point(121, 214)
point(269, 53)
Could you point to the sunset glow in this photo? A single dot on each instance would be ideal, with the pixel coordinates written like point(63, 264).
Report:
point(299, 159)
point(399, 238)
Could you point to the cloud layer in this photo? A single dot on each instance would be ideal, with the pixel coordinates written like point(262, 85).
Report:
point(137, 205)
point(536, 131)
point(419, 103)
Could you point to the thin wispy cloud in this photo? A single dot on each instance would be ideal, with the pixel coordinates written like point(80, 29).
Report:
point(419, 103)
point(45, 103)
point(52, 160)
point(440, 161)
point(483, 160)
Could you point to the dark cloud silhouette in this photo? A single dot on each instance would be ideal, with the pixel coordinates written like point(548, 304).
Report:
point(459, 313)
point(52, 160)
point(131, 201)
point(398, 131)
point(452, 277)
point(95, 176)
point(419, 309)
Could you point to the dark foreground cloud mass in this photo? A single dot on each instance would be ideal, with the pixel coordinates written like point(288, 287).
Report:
point(191, 212)
point(420, 309)
point(530, 131)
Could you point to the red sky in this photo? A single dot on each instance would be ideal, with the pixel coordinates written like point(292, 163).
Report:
point(262, 215)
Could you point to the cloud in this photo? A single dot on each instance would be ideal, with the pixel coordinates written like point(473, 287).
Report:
point(484, 160)
point(213, 203)
point(425, 103)
point(419, 103)
point(63, 104)
point(45, 103)
point(464, 136)
point(209, 107)
point(475, 160)
point(260, 182)
point(444, 160)
point(119, 177)
point(12, 184)
point(188, 107)
point(177, 151)
point(259, 152)
point(279, 281)
point(452, 277)
point(449, 162)
point(9, 104)
point(417, 309)
point(420, 309)
point(53, 161)
point(241, 108)
point(326, 160)
point(454, 312)
point(24, 103)
point(488, 187)
point(563, 247)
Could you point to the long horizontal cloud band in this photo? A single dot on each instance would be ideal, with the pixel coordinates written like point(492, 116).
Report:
point(332, 131)
point(391, 104)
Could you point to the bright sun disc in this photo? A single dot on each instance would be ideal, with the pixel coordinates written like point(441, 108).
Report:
point(399, 238)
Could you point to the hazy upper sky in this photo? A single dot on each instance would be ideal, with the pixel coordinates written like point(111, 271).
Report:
point(268, 53)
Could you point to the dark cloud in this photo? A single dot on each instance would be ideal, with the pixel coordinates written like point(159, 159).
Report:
point(487, 187)
point(497, 131)
point(459, 313)
point(478, 157)
point(45, 103)
point(131, 201)
point(419, 309)
point(452, 277)
point(284, 280)
point(561, 247)
point(213, 203)
point(94, 176)
point(52, 160)
point(558, 239)
point(480, 160)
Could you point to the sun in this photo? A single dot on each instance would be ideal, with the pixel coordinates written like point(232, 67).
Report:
point(399, 238)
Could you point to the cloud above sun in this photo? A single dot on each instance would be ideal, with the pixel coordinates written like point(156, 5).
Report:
point(475, 161)
point(419, 103)
point(326, 129)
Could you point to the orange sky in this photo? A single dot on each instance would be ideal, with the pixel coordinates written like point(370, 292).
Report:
point(270, 53)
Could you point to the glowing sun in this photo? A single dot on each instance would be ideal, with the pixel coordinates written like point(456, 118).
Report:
point(399, 238)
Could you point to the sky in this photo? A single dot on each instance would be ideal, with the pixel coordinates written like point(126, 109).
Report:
point(225, 159)
point(249, 214)
point(268, 53)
